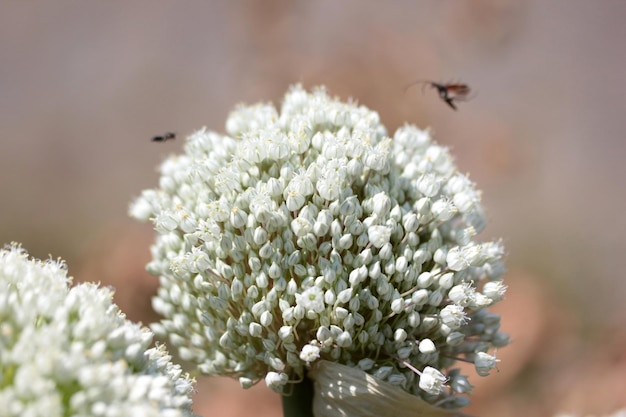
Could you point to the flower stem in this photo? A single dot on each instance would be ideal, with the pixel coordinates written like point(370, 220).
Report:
point(299, 401)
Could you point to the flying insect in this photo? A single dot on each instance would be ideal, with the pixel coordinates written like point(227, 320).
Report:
point(448, 92)
point(167, 136)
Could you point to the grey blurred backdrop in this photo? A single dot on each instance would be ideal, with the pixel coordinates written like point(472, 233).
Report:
point(85, 85)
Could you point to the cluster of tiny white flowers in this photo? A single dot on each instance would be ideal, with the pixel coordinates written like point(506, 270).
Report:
point(309, 233)
point(70, 352)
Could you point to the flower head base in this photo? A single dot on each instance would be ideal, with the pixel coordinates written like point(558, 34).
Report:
point(71, 352)
point(309, 233)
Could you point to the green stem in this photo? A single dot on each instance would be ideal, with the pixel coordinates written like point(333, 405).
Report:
point(298, 400)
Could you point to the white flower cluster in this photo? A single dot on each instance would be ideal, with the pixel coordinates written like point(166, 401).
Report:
point(70, 352)
point(309, 233)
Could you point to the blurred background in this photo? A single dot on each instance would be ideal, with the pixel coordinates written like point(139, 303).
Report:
point(85, 85)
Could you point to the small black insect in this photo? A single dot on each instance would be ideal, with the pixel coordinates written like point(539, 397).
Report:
point(167, 136)
point(449, 92)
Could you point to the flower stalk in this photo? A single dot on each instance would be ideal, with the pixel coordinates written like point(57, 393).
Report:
point(298, 400)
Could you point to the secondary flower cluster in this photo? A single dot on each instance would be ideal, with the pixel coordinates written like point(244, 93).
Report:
point(309, 233)
point(70, 352)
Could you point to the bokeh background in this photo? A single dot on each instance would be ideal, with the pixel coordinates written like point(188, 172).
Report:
point(85, 85)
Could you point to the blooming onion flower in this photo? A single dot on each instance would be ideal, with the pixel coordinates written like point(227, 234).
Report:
point(70, 352)
point(308, 233)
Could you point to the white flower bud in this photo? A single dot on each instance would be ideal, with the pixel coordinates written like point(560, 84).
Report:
point(329, 297)
point(381, 205)
point(266, 251)
point(348, 322)
point(274, 187)
point(301, 226)
point(366, 364)
point(254, 263)
point(299, 270)
point(276, 381)
point(427, 346)
point(238, 217)
point(246, 382)
point(455, 338)
point(401, 264)
point(484, 363)
point(410, 222)
point(320, 228)
point(423, 206)
point(341, 313)
point(294, 200)
point(379, 235)
point(420, 256)
point(460, 384)
point(435, 298)
point(255, 329)
point(500, 339)
point(446, 280)
point(323, 334)
point(413, 319)
point(286, 333)
point(362, 240)
point(420, 297)
point(266, 318)
point(236, 289)
point(397, 305)
point(372, 303)
point(258, 308)
point(399, 335)
point(428, 323)
point(354, 304)
point(292, 287)
point(344, 339)
point(344, 296)
point(299, 312)
point(374, 271)
point(141, 208)
point(405, 352)
point(440, 256)
point(355, 168)
point(383, 372)
point(345, 242)
point(425, 279)
point(260, 236)
point(275, 271)
point(357, 276)
point(386, 252)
